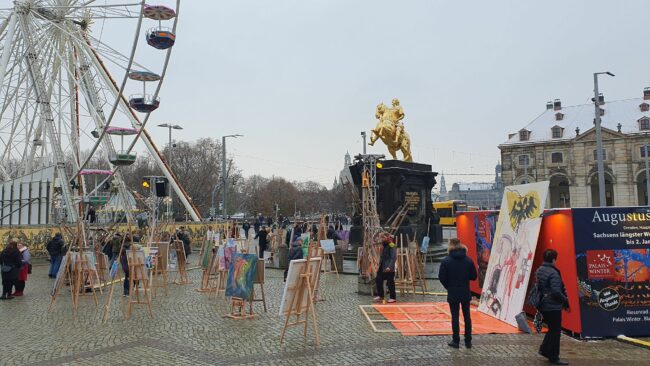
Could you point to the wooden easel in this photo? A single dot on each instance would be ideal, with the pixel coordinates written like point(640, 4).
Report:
point(61, 278)
point(404, 276)
point(181, 263)
point(331, 259)
point(301, 307)
point(82, 274)
point(208, 268)
point(238, 304)
point(259, 280)
point(137, 277)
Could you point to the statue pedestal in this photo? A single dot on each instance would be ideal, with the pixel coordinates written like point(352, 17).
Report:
point(398, 182)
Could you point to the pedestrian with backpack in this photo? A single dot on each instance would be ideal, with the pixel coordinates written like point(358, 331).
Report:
point(552, 300)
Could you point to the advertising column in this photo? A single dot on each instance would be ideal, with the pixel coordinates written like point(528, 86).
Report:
point(612, 247)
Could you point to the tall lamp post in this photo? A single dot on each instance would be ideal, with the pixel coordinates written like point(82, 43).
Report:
point(647, 171)
point(224, 179)
point(599, 142)
point(170, 205)
point(363, 135)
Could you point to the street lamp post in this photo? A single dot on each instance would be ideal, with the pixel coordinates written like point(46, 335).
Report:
point(224, 178)
point(363, 135)
point(647, 172)
point(599, 142)
point(170, 205)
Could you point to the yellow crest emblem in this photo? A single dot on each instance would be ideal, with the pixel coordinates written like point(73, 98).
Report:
point(522, 207)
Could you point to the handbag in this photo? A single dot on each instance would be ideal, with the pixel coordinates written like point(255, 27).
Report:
point(29, 268)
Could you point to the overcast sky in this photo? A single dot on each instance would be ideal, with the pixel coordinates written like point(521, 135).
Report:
point(301, 79)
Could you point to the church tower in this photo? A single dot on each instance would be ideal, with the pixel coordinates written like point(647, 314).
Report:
point(443, 185)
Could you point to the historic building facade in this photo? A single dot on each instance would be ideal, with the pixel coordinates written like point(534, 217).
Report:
point(482, 195)
point(560, 146)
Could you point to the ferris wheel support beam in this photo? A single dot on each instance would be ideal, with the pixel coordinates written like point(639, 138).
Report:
point(46, 115)
point(7, 48)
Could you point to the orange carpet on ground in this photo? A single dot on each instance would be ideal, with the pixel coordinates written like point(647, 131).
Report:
point(434, 319)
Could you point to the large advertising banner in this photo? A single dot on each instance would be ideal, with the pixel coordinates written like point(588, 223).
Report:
point(476, 229)
point(513, 249)
point(612, 247)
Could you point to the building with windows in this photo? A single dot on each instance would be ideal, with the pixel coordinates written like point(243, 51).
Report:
point(560, 146)
point(482, 195)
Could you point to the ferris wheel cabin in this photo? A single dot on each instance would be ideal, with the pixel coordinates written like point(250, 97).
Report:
point(122, 157)
point(160, 37)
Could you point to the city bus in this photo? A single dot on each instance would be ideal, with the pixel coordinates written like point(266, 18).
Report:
point(447, 211)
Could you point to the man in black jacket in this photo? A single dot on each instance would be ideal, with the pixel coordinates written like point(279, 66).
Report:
point(262, 240)
point(386, 270)
point(55, 250)
point(554, 300)
point(456, 270)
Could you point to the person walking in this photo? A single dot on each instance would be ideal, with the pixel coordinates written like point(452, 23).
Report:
point(246, 226)
point(10, 263)
point(55, 250)
point(386, 270)
point(262, 235)
point(456, 270)
point(294, 253)
point(125, 263)
point(24, 270)
point(554, 300)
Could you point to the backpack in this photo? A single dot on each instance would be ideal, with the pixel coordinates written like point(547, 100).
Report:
point(535, 296)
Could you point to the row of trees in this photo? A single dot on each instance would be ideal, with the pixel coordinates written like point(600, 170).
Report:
point(198, 167)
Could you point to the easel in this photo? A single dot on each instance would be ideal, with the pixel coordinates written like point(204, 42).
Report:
point(137, 276)
point(330, 257)
point(61, 278)
point(82, 273)
point(298, 308)
point(181, 263)
point(404, 277)
point(207, 267)
point(159, 274)
point(238, 304)
point(417, 262)
point(259, 280)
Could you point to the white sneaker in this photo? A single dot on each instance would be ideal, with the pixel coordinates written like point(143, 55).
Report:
point(390, 301)
point(376, 298)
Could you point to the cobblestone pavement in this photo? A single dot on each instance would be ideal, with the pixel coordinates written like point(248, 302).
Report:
point(188, 328)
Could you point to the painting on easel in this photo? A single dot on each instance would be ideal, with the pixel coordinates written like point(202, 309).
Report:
point(328, 246)
point(296, 268)
point(240, 275)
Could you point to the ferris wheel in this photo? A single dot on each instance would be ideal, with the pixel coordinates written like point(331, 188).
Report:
point(75, 100)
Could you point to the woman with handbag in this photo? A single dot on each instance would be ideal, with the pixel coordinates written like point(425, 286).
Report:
point(24, 270)
point(10, 262)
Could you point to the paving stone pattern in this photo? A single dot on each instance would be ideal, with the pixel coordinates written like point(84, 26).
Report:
point(188, 328)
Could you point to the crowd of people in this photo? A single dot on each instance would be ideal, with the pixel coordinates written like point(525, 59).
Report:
point(15, 265)
point(455, 273)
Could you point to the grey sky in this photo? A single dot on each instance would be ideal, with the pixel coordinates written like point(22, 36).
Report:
point(301, 79)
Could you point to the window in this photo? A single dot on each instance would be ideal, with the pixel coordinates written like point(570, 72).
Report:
point(524, 135)
point(596, 154)
point(523, 160)
point(644, 124)
point(559, 116)
point(556, 157)
point(644, 107)
point(642, 150)
point(557, 132)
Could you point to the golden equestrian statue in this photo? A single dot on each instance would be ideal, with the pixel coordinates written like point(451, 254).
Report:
point(391, 130)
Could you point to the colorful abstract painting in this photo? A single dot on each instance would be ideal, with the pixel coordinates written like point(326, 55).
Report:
point(512, 251)
point(240, 275)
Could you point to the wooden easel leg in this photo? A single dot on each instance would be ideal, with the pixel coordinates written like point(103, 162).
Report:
point(310, 307)
point(334, 263)
point(263, 296)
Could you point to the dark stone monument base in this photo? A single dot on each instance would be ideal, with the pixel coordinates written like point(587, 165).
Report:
point(365, 287)
point(400, 182)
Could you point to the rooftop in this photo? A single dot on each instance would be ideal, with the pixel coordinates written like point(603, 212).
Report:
point(626, 112)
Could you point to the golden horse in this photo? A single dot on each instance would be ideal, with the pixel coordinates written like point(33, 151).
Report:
point(386, 131)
